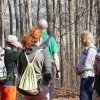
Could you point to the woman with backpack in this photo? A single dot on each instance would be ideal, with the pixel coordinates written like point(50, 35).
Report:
point(85, 66)
point(42, 66)
point(11, 55)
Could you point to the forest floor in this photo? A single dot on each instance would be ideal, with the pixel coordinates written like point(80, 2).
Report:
point(70, 98)
point(62, 94)
point(66, 94)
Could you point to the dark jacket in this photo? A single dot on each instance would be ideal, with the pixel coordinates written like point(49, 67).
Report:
point(11, 58)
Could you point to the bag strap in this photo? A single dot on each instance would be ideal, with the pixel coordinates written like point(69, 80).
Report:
point(47, 41)
point(45, 44)
point(34, 56)
point(85, 52)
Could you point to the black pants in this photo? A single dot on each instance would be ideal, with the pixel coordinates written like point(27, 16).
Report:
point(97, 84)
point(51, 88)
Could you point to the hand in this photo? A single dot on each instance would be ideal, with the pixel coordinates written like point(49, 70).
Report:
point(77, 72)
point(58, 75)
point(49, 83)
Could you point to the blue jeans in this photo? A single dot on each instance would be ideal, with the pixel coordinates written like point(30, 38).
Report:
point(51, 88)
point(86, 88)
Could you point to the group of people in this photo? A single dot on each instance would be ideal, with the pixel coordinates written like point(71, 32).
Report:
point(86, 68)
point(46, 62)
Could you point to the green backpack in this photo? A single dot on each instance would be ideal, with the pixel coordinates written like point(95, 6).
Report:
point(28, 81)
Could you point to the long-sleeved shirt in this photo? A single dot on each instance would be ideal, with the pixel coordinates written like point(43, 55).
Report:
point(86, 61)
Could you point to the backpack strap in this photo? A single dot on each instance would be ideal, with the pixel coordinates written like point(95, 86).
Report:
point(45, 44)
point(85, 52)
point(34, 56)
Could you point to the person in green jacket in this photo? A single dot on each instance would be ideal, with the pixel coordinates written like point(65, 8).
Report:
point(53, 53)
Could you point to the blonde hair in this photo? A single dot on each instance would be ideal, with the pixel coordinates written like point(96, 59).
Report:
point(87, 38)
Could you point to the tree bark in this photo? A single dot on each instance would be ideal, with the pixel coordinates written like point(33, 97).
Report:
point(67, 52)
point(1, 24)
point(49, 16)
point(29, 14)
point(21, 18)
point(16, 17)
point(38, 10)
point(98, 23)
point(71, 4)
point(10, 16)
point(56, 17)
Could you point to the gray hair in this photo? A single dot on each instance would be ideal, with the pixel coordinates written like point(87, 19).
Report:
point(42, 23)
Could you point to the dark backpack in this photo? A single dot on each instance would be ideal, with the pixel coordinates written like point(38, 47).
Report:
point(97, 73)
point(97, 63)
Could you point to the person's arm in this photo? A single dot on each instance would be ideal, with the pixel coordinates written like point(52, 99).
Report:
point(19, 66)
point(54, 51)
point(56, 61)
point(11, 55)
point(90, 59)
point(47, 68)
point(57, 65)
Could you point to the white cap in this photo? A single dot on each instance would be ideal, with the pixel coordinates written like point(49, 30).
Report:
point(11, 38)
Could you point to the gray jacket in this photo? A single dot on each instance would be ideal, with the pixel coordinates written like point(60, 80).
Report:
point(42, 63)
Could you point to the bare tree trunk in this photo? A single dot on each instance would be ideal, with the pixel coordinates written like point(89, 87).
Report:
point(16, 17)
point(29, 14)
point(4, 5)
point(98, 23)
point(49, 16)
point(71, 4)
point(56, 17)
point(21, 18)
point(10, 16)
point(61, 45)
point(26, 16)
point(67, 56)
point(87, 15)
point(1, 24)
point(38, 10)
point(90, 22)
point(76, 40)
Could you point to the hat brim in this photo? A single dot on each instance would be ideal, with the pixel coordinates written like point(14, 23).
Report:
point(15, 43)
